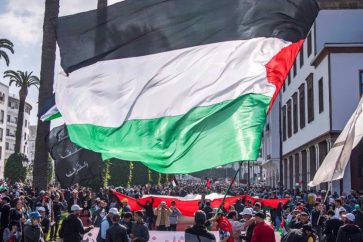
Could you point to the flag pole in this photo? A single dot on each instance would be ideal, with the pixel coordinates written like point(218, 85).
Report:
point(229, 187)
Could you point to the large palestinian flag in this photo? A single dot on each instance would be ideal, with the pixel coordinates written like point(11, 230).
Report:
point(180, 85)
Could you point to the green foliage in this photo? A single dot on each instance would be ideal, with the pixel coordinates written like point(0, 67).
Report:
point(98, 182)
point(119, 172)
point(155, 177)
point(131, 169)
point(140, 174)
point(8, 45)
point(163, 178)
point(14, 169)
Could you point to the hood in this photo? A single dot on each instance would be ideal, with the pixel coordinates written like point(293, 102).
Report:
point(351, 228)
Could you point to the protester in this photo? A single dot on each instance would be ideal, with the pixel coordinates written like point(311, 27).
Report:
point(85, 215)
point(224, 226)
point(33, 231)
point(99, 214)
point(173, 218)
point(139, 231)
point(127, 222)
point(299, 235)
point(12, 233)
point(162, 214)
point(249, 224)
point(349, 231)
point(106, 224)
point(198, 232)
point(125, 206)
point(117, 232)
point(44, 221)
point(149, 212)
point(74, 200)
point(55, 216)
point(72, 229)
point(332, 226)
point(262, 231)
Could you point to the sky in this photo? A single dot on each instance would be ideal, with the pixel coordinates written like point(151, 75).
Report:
point(21, 21)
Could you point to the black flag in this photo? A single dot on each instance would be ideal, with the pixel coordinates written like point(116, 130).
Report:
point(72, 163)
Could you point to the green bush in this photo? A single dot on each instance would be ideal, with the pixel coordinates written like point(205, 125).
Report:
point(119, 172)
point(14, 169)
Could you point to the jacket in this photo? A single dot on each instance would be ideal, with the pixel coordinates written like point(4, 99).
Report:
point(33, 234)
point(157, 213)
point(140, 230)
point(331, 228)
point(199, 233)
point(116, 233)
point(349, 233)
point(295, 235)
point(263, 233)
point(72, 229)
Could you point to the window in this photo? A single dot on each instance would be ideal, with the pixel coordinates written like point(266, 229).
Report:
point(288, 79)
point(310, 44)
point(24, 150)
point(9, 104)
point(26, 123)
point(7, 132)
point(289, 124)
point(321, 95)
point(1, 134)
point(24, 136)
point(302, 56)
point(284, 87)
point(8, 118)
point(294, 112)
point(2, 114)
point(361, 82)
point(283, 110)
point(2, 97)
point(6, 146)
point(302, 105)
point(1, 152)
point(310, 94)
point(294, 68)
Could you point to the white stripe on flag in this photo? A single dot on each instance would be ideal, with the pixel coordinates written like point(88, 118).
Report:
point(111, 92)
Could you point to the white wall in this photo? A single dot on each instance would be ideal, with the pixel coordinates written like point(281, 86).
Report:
point(345, 86)
point(339, 26)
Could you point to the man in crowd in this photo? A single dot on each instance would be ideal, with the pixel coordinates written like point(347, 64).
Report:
point(349, 231)
point(331, 227)
point(74, 200)
point(139, 231)
point(33, 232)
point(299, 235)
point(339, 207)
point(249, 224)
point(99, 214)
point(117, 232)
point(125, 206)
point(106, 224)
point(198, 232)
point(72, 229)
point(44, 221)
point(262, 232)
point(5, 211)
point(174, 216)
point(162, 214)
point(301, 219)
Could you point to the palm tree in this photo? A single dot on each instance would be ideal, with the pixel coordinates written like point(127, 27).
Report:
point(6, 44)
point(24, 80)
point(40, 174)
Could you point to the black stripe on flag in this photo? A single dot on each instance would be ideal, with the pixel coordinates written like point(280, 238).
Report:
point(136, 28)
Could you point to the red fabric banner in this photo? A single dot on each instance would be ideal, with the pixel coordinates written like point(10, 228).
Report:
point(188, 207)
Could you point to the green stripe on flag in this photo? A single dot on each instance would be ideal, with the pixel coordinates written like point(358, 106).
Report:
point(203, 138)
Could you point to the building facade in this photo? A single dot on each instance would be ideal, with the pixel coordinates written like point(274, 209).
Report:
point(320, 93)
point(9, 106)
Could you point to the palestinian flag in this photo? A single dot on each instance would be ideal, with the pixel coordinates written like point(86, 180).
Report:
point(181, 86)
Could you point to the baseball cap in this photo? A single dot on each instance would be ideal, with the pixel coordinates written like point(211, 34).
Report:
point(34, 215)
point(114, 211)
point(124, 200)
point(76, 207)
point(349, 216)
point(41, 209)
point(247, 211)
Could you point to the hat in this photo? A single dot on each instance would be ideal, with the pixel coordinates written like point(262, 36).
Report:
point(76, 207)
point(41, 209)
point(257, 204)
point(124, 200)
point(357, 207)
point(34, 215)
point(114, 211)
point(260, 215)
point(247, 211)
point(349, 216)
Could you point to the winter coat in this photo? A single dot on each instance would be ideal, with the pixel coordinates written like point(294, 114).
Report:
point(116, 233)
point(199, 233)
point(33, 233)
point(72, 229)
point(349, 233)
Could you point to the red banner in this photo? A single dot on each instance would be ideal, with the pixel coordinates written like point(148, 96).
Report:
point(188, 207)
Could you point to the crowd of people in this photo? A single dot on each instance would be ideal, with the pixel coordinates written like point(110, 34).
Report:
point(308, 216)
